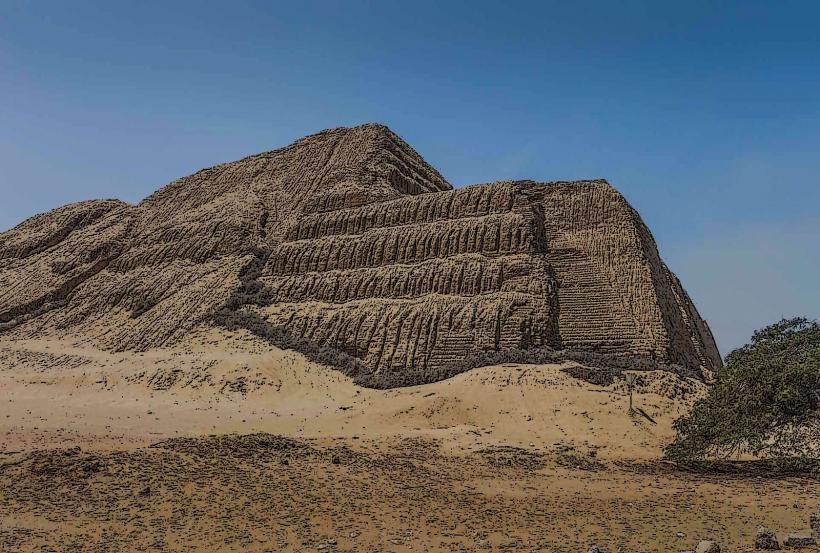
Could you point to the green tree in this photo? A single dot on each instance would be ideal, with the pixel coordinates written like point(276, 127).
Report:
point(764, 401)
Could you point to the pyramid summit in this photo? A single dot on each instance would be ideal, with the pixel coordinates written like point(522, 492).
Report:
point(348, 241)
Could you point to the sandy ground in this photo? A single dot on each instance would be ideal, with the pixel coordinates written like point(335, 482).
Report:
point(513, 457)
point(56, 394)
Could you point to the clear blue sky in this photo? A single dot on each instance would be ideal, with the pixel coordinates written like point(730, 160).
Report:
point(706, 115)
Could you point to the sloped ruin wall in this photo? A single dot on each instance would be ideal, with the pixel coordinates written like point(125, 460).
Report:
point(415, 284)
point(357, 244)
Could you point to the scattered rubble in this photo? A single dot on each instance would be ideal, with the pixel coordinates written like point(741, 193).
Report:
point(796, 540)
point(766, 539)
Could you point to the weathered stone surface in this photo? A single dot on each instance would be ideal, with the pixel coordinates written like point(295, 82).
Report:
point(814, 524)
point(44, 259)
point(348, 238)
point(766, 539)
point(794, 540)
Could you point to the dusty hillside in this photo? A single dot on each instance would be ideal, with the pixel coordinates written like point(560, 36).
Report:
point(347, 241)
point(168, 370)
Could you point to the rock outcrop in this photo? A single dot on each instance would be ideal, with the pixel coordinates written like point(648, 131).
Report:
point(348, 239)
point(766, 539)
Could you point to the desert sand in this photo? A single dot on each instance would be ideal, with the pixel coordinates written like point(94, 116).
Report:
point(57, 393)
point(166, 379)
point(224, 444)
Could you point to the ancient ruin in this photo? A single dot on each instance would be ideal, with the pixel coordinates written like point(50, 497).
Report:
point(348, 239)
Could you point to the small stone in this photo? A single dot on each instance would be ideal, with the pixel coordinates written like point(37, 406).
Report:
point(706, 546)
point(331, 541)
point(680, 535)
point(595, 549)
point(793, 540)
point(766, 539)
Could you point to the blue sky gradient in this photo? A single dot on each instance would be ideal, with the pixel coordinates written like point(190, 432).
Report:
point(706, 115)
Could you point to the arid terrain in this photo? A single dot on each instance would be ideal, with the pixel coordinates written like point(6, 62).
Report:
point(311, 349)
point(227, 445)
point(348, 247)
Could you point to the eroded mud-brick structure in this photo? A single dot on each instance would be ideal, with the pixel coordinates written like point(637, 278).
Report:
point(349, 239)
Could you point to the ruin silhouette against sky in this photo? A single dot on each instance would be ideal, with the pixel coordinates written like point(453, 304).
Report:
point(707, 119)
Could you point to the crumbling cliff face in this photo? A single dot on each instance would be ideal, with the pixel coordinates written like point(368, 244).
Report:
point(348, 239)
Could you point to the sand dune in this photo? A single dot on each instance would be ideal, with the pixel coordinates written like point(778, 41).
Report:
point(57, 393)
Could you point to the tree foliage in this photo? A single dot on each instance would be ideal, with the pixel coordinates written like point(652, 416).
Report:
point(765, 401)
